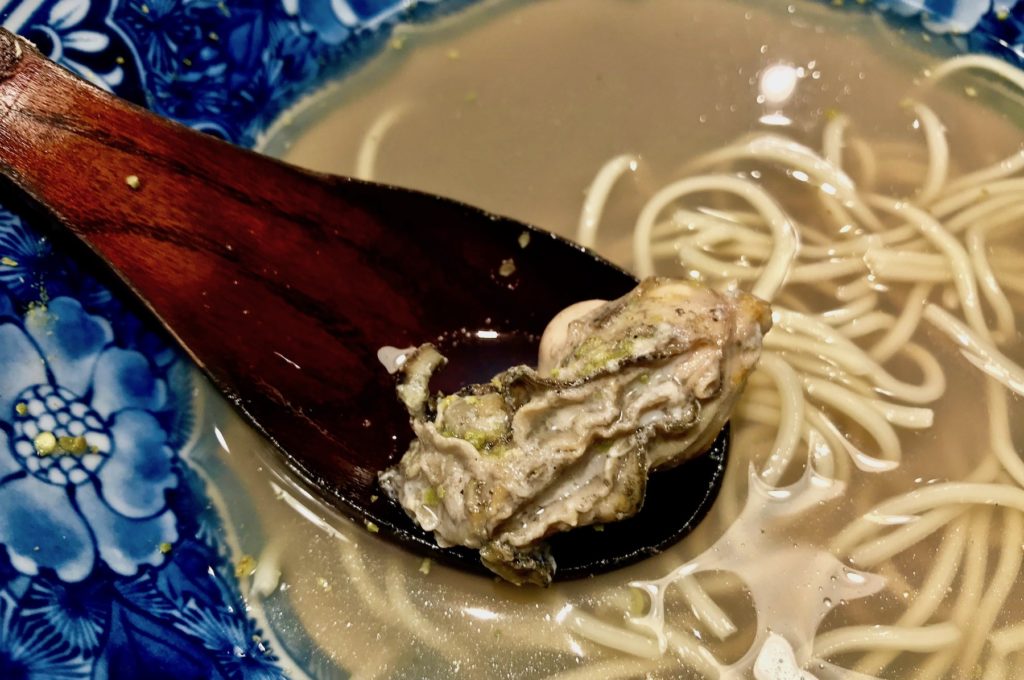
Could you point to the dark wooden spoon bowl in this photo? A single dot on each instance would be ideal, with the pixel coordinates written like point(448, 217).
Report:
point(282, 284)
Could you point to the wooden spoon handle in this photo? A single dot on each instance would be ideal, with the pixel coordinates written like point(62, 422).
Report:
point(196, 226)
point(267, 274)
point(66, 142)
point(280, 283)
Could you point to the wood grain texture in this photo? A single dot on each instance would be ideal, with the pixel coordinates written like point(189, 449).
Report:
point(280, 283)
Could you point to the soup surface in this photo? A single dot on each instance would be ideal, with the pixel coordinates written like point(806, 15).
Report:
point(872, 516)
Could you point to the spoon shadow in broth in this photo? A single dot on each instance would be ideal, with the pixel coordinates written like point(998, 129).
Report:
point(281, 284)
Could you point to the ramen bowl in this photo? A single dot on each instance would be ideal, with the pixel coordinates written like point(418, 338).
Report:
point(871, 516)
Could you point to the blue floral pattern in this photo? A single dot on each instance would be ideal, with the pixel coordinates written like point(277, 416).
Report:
point(992, 26)
point(230, 67)
point(112, 562)
point(85, 451)
point(71, 42)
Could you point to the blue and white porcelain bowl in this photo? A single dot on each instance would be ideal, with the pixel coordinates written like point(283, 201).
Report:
point(118, 563)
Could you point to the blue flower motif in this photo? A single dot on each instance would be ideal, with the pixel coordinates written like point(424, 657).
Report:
point(35, 652)
point(942, 16)
point(240, 652)
point(78, 613)
point(95, 403)
point(71, 43)
point(188, 95)
point(161, 28)
point(21, 253)
point(84, 462)
point(30, 269)
point(332, 22)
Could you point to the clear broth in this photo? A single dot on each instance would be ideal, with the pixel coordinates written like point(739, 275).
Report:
point(514, 106)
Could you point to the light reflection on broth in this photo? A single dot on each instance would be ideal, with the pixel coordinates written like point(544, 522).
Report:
point(516, 107)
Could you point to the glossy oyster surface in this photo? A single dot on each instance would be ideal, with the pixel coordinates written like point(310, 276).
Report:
point(621, 388)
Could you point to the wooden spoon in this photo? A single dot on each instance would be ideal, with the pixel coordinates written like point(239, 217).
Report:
point(282, 284)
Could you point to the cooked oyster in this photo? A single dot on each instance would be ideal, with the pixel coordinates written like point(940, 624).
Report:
point(622, 388)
